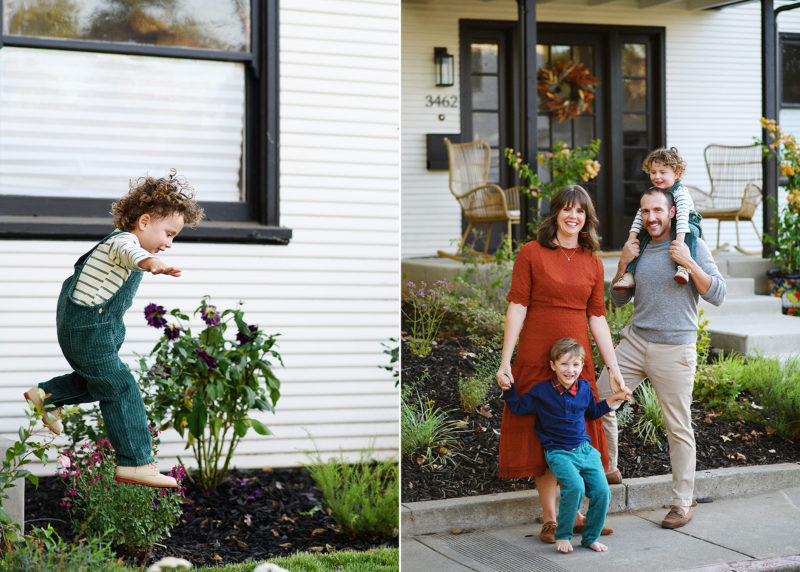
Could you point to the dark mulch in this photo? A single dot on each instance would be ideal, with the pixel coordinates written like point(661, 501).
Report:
point(254, 515)
point(720, 442)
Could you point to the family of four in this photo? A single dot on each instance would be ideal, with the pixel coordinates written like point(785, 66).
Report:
point(559, 424)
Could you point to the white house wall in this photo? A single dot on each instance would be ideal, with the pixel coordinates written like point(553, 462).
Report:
point(332, 293)
point(713, 94)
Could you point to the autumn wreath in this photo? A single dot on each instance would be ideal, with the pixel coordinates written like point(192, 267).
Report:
point(575, 77)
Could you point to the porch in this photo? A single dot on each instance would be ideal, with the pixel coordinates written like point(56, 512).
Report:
point(749, 321)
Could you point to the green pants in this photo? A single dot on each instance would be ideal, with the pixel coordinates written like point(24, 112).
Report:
point(90, 338)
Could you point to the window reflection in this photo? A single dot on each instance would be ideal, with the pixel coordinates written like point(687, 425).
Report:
point(634, 60)
point(202, 24)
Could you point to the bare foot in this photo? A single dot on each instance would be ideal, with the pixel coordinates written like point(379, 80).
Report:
point(598, 547)
point(565, 546)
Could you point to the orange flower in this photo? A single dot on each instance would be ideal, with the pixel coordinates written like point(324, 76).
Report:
point(787, 170)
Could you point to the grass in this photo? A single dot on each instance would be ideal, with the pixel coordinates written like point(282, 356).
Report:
point(375, 560)
point(425, 429)
point(649, 422)
point(473, 390)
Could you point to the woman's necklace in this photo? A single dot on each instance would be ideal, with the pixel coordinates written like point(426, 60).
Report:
point(564, 250)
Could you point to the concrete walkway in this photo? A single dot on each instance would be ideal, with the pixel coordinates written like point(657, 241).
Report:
point(751, 524)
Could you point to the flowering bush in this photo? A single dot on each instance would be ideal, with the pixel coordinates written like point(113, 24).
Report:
point(204, 385)
point(129, 515)
point(786, 244)
point(566, 167)
point(424, 309)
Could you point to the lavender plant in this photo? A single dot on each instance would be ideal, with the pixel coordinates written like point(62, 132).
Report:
point(424, 308)
point(204, 385)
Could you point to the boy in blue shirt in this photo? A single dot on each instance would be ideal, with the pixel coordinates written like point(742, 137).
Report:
point(561, 406)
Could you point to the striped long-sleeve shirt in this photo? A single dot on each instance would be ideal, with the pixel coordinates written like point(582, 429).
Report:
point(683, 206)
point(107, 268)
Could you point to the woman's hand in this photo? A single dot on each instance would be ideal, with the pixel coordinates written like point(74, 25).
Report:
point(504, 377)
point(615, 378)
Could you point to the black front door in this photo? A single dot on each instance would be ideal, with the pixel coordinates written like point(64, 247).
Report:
point(627, 115)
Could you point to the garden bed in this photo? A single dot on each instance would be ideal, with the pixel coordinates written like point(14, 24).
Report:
point(254, 515)
point(471, 469)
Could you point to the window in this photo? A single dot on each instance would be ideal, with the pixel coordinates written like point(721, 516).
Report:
point(790, 70)
point(94, 93)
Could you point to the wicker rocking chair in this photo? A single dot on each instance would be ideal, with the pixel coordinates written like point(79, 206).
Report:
point(736, 179)
point(482, 203)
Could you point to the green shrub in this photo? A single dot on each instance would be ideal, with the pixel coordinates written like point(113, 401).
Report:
point(424, 308)
point(617, 318)
point(649, 423)
point(363, 497)
point(624, 415)
point(473, 390)
point(43, 550)
point(101, 507)
point(776, 388)
point(469, 315)
point(425, 429)
point(717, 385)
point(205, 385)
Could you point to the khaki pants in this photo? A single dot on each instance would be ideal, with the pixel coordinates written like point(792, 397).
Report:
point(671, 370)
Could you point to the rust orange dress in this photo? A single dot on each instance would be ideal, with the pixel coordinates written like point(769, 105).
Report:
point(560, 294)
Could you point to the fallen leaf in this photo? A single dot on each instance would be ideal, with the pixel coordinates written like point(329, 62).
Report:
point(240, 544)
point(318, 531)
point(480, 428)
point(316, 548)
point(740, 457)
point(455, 531)
point(217, 557)
point(411, 485)
point(725, 438)
point(329, 548)
point(770, 430)
point(463, 424)
point(285, 545)
point(484, 411)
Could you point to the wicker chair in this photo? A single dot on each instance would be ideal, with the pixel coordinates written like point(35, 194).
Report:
point(482, 203)
point(736, 179)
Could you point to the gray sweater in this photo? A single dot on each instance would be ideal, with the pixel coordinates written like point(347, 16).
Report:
point(665, 312)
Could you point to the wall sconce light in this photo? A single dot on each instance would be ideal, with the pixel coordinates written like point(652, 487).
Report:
point(443, 63)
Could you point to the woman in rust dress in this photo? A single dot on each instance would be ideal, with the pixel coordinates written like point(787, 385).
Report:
point(556, 289)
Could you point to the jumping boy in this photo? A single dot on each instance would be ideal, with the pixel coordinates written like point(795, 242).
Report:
point(560, 408)
point(89, 321)
point(665, 167)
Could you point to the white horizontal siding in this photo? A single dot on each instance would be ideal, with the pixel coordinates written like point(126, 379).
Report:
point(332, 293)
point(713, 94)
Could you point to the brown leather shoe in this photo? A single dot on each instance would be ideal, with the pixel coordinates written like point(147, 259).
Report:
point(614, 477)
point(147, 475)
point(548, 532)
point(579, 528)
point(676, 518)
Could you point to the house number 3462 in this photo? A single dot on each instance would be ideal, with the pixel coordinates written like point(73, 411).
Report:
point(450, 101)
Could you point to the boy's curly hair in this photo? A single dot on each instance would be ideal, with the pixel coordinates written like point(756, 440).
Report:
point(159, 198)
point(669, 157)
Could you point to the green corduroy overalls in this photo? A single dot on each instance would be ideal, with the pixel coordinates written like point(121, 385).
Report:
point(90, 337)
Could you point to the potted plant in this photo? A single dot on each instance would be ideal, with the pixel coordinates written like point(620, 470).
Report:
point(785, 279)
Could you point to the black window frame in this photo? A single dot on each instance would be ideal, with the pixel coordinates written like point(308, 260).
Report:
point(785, 38)
point(255, 220)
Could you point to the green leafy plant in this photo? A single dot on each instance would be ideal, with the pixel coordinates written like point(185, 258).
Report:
point(424, 307)
point(426, 431)
point(617, 318)
point(649, 422)
point(362, 497)
point(205, 385)
point(101, 507)
point(43, 550)
point(393, 351)
point(786, 244)
point(473, 390)
point(624, 415)
point(19, 454)
point(565, 166)
point(776, 388)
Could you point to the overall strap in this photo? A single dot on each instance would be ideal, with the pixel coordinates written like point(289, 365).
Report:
point(82, 260)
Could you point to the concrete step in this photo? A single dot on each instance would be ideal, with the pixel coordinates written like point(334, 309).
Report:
point(751, 304)
point(748, 333)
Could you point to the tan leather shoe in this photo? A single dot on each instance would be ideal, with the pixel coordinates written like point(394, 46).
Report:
point(627, 282)
point(50, 417)
point(548, 532)
point(614, 477)
point(681, 275)
point(676, 517)
point(147, 475)
point(577, 528)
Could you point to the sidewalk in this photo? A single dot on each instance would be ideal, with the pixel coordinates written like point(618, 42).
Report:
point(753, 524)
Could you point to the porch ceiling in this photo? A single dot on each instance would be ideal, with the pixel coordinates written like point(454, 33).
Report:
point(643, 4)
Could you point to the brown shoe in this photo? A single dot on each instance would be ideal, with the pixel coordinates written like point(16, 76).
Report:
point(614, 477)
point(548, 532)
point(51, 417)
point(676, 518)
point(578, 528)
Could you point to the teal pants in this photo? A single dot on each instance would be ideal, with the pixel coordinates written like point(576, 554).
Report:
point(580, 472)
point(90, 338)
